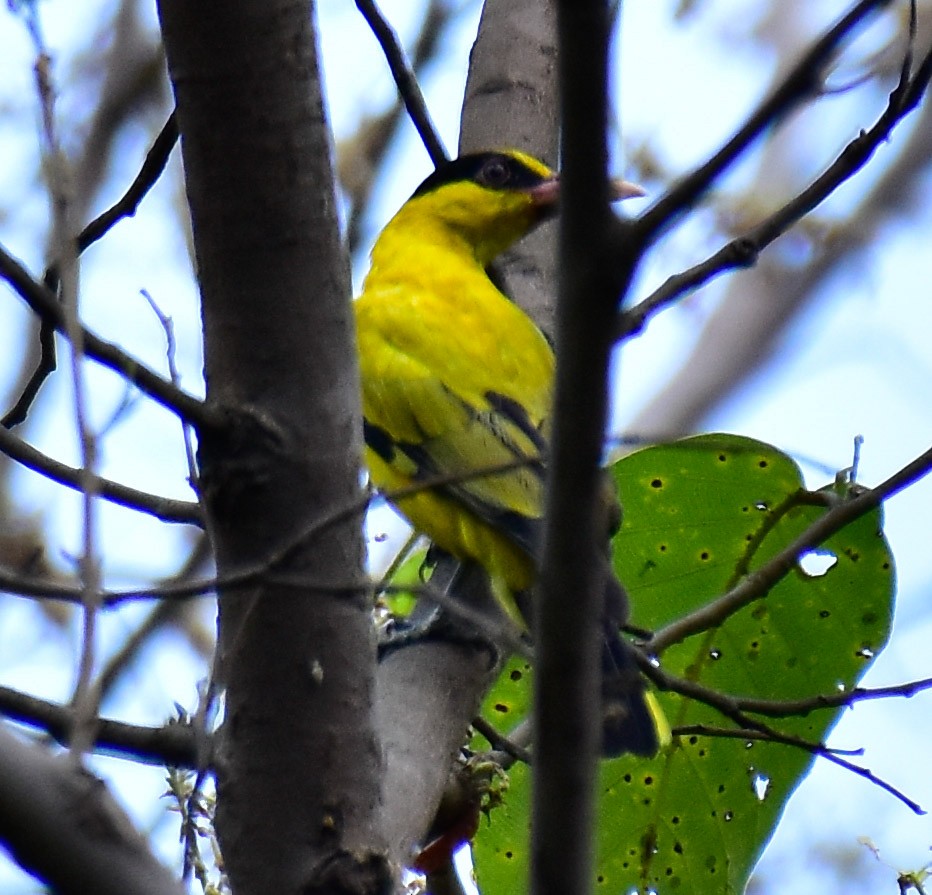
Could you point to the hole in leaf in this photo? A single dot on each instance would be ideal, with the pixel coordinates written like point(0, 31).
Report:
point(760, 784)
point(762, 506)
point(715, 653)
point(865, 652)
point(816, 563)
point(729, 815)
point(656, 483)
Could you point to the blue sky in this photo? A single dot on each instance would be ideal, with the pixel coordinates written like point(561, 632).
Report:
point(857, 361)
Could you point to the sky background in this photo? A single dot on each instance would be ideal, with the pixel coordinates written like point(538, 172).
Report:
point(856, 361)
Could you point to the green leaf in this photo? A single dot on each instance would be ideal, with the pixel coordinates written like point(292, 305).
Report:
point(699, 515)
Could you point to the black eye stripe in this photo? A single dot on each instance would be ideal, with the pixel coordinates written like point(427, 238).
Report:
point(482, 168)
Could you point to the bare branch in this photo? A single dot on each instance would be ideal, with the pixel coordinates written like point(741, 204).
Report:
point(732, 707)
point(168, 327)
point(802, 82)
point(164, 508)
point(780, 708)
point(171, 744)
point(152, 168)
point(60, 823)
point(759, 582)
point(360, 156)
point(59, 179)
point(405, 79)
point(744, 250)
point(566, 715)
point(813, 748)
point(44, 302)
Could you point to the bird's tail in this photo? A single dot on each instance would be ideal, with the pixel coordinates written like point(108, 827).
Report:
point(628, 724)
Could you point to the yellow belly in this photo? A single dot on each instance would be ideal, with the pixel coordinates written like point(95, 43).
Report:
point(454, 528)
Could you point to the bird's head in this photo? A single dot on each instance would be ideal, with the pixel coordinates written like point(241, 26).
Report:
point(492, 199)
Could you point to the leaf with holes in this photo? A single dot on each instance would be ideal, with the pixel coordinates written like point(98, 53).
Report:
point(699, 516)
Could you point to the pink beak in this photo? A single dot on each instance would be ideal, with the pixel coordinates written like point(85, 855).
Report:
point(624, 189)
point(547, 193)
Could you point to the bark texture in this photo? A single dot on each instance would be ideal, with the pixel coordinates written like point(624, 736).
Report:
point(299, 766)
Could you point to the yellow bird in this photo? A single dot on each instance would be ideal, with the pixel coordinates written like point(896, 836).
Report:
point(456, 379)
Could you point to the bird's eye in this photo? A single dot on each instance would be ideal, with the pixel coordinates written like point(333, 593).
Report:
point(494, 174)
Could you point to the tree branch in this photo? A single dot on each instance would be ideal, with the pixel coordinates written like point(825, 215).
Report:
point(164, 508)
point(172, 744)
point(152, 167)
point(744, 251)
point(360, 156)
point(759, 582)
point(151, 170)
point(298, 664)
point(44, 302)
point(801, 83)
point(405, 79)
point(813, 748)
point(60, 824)
point(571, 585)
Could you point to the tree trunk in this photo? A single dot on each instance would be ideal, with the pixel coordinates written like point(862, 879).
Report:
point(298, 767)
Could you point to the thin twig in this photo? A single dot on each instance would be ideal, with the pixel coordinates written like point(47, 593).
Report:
point(168, 327)
point(164, 508)
point(749, 728)
point(171, 744)
point(45, 304)
point(780, 708)
point(405, 79)
point(801, 83)
point(360, 156)
point(759, 582)
point(501, 743)
point(744, 251)
point(61, 197)
point(126, 206)
point(152, 168)
point(814, 749)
